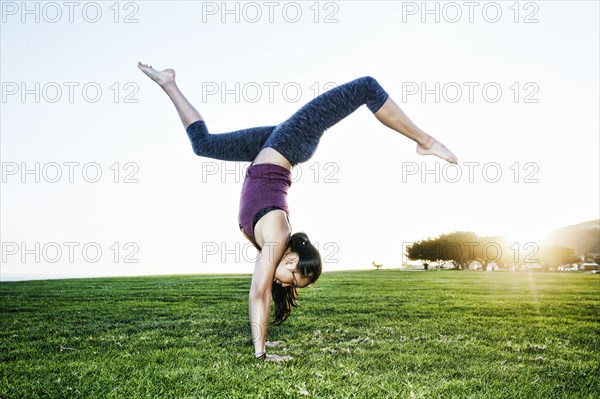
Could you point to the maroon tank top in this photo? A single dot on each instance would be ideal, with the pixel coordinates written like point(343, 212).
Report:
point(265, 186)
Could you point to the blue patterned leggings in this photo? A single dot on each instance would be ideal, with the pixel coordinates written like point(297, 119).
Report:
point(297, 137)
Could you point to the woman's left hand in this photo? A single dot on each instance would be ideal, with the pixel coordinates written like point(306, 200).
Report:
point(277, 358)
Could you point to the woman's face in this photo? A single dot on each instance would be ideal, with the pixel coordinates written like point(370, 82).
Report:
point(286, 274)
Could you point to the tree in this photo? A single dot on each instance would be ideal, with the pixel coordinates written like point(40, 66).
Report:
point(458, 247)
point(377, 265)
point(421, 250)
point(491, 249)
point(552, 256)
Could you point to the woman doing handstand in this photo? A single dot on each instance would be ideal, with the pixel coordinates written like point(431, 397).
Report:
point(285, 261)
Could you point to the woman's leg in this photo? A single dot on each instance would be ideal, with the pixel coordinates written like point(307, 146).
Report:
point(393, 117)
point(298, 137)
point(240, 145)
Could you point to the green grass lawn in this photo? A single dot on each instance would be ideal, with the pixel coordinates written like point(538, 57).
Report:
point(365, 334)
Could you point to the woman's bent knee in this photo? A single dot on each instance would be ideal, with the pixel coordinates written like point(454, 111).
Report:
point(197, 132)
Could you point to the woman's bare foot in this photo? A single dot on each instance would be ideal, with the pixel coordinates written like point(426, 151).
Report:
point(160, 77)
point(434, 147)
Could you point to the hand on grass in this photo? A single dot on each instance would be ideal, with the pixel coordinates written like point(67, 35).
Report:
point(277, 358)
point(273, 344)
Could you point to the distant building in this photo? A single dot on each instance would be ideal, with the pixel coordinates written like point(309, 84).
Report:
point(531, 267)
point(492, 267)
point(568, 268)
point(475, 265)
point(589, 267)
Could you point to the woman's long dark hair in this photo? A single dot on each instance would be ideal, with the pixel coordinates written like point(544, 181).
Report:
point(309, 265)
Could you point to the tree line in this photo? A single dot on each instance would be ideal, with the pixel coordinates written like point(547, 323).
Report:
point(461, 248)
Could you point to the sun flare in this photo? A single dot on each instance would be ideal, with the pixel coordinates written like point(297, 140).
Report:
point(524, 236)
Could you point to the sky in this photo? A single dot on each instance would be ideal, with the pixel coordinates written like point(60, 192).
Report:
point(99, 177)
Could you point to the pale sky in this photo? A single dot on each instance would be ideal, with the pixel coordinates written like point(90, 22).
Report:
point(510, 89)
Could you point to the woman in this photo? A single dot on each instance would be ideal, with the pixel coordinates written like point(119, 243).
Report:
point(285, 261)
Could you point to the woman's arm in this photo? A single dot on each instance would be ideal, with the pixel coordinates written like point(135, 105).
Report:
point(272, 233)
